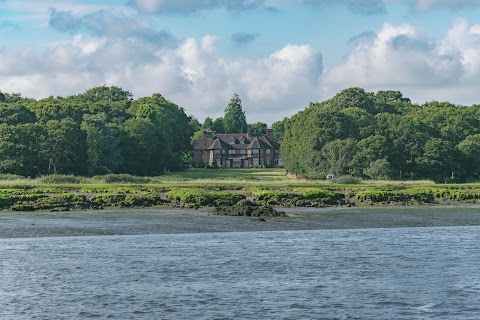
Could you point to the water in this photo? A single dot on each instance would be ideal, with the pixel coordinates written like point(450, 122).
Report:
point(374, 273)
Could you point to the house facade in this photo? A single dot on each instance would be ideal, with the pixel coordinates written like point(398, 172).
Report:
point(237, 150)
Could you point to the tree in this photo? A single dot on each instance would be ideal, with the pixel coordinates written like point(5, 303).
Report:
point(104, 93)
point(439, 161)
point(217, 126)
point(470, 149)
point(259, 128)
point(337, 156)
point(21, 149)
point(3, 98)
point(207, 124)
point(279, 129)
point(174, 125)
point(194, 124)
point(142, 138)
point(379, 169)
point(234, 119)
point(353, 97)
point(102, 141)
point(15, 114)
point(65, 147)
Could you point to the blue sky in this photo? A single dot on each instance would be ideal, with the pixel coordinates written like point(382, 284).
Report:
point(278, 55)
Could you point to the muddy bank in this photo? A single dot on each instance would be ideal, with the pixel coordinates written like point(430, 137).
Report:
point(175, 221)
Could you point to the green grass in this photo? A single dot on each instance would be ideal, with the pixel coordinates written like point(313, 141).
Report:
point(199, 187)
point(226, 174)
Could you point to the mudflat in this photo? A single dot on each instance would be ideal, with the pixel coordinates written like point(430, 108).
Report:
point(174, 221)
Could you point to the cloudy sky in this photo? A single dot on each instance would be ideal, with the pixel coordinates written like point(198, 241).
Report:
point(278, 55)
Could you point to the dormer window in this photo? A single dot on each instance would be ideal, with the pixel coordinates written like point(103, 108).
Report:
point(242, 140)
point(231, 141)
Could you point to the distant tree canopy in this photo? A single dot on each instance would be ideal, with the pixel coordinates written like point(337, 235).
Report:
point(383, 136)
point(100, 131)
point(259, 128)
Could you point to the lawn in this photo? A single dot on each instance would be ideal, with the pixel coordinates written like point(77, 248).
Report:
point(227, 174)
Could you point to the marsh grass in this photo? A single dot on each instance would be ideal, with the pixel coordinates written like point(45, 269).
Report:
point(200, 187)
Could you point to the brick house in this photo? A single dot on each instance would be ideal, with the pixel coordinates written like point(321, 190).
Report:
point(237, 150)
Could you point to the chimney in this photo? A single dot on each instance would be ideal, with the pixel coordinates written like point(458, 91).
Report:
point(269, 133)
point(249, 130)
point(207, 134)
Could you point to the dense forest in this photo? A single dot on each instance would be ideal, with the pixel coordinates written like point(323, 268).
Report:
point(369, 135)
point(100, 131)
point(383, 136)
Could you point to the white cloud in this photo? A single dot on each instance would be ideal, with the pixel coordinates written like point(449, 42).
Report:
point(401, 58)
point(190, 74)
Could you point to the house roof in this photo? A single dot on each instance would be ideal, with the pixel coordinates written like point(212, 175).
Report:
point(222, 141)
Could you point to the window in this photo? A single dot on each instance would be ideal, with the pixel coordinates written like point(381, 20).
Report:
point(231, 152)
point(217, 151)
point(242, 151)
point(254, 151)
point(268, 162)
point(218, 162)
point(267, 151)
point(256, 162)
point(231, 141)
point(242, 141)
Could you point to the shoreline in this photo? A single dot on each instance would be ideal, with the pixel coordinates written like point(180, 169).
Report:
point(184, 221)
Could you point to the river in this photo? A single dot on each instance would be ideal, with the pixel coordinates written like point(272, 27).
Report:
point(365, 263)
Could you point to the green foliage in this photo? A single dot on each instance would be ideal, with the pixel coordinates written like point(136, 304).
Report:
point(203, 197)
point(218, 125)
point(101, 131)
point(270, 197)
point(6, 176)
point(259, 128)
point(279, 129)
point(379, 169)
point(395, 138)
point(13, 114)
point(234, 119)
point(122, 178)
point(347, 179)
point(61, 179)
point(207, 124)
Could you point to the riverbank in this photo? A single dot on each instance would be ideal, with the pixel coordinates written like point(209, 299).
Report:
point(180, 221)
point(75, 197)
point(197, 188)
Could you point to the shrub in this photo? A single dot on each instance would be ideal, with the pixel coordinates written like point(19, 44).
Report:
point(203, 197)
point(347, 180)
point(61, 179)
point(319, 195)
point(269, 197)
point(122, 178)
point(7, 176)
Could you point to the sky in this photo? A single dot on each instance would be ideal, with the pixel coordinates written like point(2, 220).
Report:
point(277, 55)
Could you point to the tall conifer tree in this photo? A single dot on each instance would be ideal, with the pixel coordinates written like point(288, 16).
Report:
point(234, 120)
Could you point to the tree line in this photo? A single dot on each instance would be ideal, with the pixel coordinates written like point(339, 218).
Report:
point(103, 130)
point(383, 136)
point(234, 121)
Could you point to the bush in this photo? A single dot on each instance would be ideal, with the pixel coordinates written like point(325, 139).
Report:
point(347, 180)
point(7, 176)
point(319, 195)
point(61, 179)
point(122, 178)
point(204, 197)
point(269, 197)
